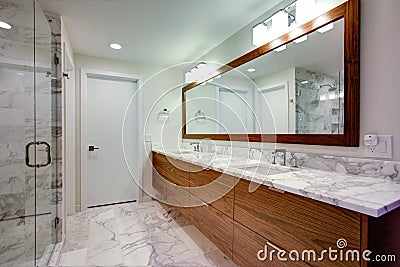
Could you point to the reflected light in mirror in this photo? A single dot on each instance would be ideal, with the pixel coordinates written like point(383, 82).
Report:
point(301, 39)
point(281, 48)
point(325, 28)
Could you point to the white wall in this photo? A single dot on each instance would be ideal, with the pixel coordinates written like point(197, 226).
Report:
point(161, 89)
point(380, 92)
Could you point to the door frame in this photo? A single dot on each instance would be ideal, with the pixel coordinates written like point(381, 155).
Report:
point(138, 100)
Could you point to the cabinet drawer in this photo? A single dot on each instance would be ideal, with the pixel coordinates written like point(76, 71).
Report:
point(296, 223)
point(247, 244)
point(176, 171)
point(214, 188)
point(215, 225)
point(177, 195)
point(160, 185)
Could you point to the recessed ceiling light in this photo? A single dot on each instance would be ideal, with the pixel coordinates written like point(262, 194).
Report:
point(251, 70)
point(116, 46)
point(5, 25)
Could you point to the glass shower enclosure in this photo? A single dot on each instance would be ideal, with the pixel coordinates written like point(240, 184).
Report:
point(30, 134)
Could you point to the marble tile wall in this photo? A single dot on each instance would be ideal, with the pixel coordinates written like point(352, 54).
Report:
point(319, 103)
point(382, 169)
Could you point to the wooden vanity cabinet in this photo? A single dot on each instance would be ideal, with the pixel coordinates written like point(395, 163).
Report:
point(171, 177)
point(240, 223)
point(213, 188)
point(296, 223)
point(214, 224)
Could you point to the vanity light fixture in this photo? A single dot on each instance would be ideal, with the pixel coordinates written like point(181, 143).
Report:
point(5, 25)
point(251, 70)
point(281, 48)
point(301, 39)
point(325, 28)
point(115, 46)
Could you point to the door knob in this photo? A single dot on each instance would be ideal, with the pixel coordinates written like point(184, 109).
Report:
point(93, 148)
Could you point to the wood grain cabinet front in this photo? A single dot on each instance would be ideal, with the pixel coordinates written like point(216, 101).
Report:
point(215, 225)
point(297, 223)
point(214, 188)
point(251, 249)
point(176, 171)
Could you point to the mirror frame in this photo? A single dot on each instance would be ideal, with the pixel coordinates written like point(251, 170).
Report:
point(350, 11)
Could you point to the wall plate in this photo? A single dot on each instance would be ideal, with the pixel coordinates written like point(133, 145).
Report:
point(383, 149)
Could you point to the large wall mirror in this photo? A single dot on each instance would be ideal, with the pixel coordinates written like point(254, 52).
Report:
point(302, 87)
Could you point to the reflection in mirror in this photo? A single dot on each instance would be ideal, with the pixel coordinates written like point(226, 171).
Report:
point(285, 91)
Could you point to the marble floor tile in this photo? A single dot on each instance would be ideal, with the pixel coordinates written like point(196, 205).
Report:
point(104, 247)
point(137, 235)
point(74, 258)
point(198, 241)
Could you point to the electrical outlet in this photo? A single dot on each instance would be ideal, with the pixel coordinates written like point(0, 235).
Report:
point(382, 149)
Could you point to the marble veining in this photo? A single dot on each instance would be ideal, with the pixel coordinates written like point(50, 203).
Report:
point(372, 196)
point(137, 234)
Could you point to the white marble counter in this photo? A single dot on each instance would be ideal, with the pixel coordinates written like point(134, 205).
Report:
point(367, 195)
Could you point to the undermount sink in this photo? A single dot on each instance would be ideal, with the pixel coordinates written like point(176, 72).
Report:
point(183, 151)
point(268, 170)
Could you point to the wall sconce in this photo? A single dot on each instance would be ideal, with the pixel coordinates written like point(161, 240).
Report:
point(199, 116)
point(164, 115)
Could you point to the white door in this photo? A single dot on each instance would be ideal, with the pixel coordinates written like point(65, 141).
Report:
point(108, 178)
point(275, 119)
point(233, 111)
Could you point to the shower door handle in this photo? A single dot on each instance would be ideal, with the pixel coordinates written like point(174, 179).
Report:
point(48, 152)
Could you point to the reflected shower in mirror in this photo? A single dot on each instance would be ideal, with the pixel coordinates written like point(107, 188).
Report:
point(285, 91)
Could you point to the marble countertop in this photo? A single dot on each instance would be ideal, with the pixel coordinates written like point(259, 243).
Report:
point(371, 196)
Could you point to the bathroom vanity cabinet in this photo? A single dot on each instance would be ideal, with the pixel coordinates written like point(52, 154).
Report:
point(241, 223)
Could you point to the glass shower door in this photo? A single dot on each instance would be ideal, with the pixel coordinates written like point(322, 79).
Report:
point(29, 137)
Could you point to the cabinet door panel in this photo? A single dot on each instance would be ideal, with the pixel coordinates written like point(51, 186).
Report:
point(176, 171)
point(246, 247)
point(214, 188)
point(296, 223)
point(215, 225)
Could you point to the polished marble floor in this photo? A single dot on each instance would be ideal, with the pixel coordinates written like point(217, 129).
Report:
point(145, 234)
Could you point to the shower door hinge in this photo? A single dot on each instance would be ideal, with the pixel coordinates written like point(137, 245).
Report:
point(56, 222)
point(56, 59)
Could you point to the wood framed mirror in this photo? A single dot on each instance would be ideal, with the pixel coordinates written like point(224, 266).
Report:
point(322, 100)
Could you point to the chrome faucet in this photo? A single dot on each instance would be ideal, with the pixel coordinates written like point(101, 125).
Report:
point(196, 146)
point(279, 151)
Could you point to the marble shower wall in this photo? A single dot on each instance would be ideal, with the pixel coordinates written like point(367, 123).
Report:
point(19, 86)
point(319, 103)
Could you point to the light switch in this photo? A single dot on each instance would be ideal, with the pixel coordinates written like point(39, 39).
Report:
point(382, 147)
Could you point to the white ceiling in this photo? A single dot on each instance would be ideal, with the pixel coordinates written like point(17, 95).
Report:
point(157, 32)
